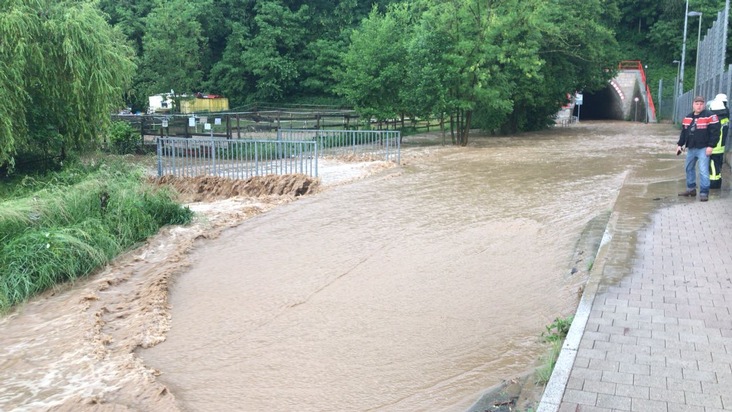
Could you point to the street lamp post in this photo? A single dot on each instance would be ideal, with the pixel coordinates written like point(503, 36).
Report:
point(698, 44)
point(683, 50)
point(676, 90)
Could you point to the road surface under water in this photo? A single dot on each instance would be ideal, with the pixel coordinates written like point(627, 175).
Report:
point(415, 289)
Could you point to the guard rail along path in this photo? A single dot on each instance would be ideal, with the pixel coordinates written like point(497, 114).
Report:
point(372, 144)
point(293, 151)
point(235, 159)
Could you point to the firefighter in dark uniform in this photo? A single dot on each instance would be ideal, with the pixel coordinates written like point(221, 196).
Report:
point(719, 107)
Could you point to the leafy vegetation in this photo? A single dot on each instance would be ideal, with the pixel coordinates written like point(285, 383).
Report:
point(557, 330)
point(123, 138)
point(500, 65)
point(554, 334)
point(68, 224)
point(64, 70)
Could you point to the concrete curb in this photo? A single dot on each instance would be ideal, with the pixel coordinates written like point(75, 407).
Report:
point(557, 384)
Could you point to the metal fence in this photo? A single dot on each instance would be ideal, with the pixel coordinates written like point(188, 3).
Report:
point(711, 77)
point(235, 159)
point(713, 49)
point(370, 144)
point(292, 151)
point(719, 83)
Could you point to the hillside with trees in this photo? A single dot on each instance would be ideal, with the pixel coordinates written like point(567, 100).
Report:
point(500, 65)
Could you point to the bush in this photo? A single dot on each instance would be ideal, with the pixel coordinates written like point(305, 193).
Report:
point(123, 138)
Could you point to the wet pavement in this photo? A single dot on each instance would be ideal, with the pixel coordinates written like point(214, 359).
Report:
point(653, 330)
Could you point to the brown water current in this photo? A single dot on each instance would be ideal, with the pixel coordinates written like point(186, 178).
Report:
point(414, 289)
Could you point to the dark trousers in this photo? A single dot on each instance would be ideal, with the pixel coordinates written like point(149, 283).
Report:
point(715, 170)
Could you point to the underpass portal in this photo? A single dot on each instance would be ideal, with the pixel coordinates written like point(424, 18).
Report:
point(602, 105)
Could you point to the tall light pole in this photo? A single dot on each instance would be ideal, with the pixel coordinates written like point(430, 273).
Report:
point(676, 89)
point(698, 44)
point(683, 49)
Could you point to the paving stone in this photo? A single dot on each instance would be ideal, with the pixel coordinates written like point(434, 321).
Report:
point(659, 337)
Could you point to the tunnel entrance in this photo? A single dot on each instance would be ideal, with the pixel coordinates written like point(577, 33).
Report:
point(602, 105)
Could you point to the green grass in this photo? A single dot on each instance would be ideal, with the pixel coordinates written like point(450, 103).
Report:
point(554, 334)
point(544, 372)
point(63, 226)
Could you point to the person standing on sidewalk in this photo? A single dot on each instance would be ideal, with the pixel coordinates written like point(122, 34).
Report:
point(699, 134)
point(719, 107)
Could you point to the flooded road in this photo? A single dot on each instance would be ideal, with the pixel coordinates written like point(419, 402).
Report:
point(415, 289)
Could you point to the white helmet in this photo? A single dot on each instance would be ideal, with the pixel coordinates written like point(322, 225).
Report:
point(716, 105)
point(719, 102)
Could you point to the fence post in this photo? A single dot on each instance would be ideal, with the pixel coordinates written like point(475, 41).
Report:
point(160, 157)
point(142, 131)
point(316, 158)
point(256, 158)
point(238, 127)
point(228, 126)
point(213, 154)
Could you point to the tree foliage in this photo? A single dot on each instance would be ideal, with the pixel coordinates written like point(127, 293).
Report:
point(375, 64)
point(507, 64)
point(63, 69)
point(501, 65)
point(173, 49)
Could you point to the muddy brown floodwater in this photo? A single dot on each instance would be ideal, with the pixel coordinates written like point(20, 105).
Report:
point(413, 289)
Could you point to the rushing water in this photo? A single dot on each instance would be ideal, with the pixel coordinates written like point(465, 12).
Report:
point(414, 289)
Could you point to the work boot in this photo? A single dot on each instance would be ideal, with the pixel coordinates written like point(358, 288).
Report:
point(688, 193)
point(703, 197)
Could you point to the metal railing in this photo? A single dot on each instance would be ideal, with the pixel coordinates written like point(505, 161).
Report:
point(235, 159)
point(371, 144)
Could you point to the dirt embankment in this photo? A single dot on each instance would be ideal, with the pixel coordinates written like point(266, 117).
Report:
point(212, 188)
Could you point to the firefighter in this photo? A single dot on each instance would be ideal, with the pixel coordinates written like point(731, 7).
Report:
point(719, 107)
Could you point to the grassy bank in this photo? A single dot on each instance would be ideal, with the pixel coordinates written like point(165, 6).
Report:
point(65, 225)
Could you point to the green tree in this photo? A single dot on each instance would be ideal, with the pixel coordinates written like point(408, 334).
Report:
point(575, 51)
point(263, 56)
point(502, 65)
point(375, 65)
point(271, 55)
point(447, 59)
point(173, 49)
point(129, 17)
point(63, 70)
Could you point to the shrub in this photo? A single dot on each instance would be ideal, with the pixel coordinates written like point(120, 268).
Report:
point(123, 138)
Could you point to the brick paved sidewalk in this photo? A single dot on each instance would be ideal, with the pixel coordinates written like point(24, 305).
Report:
point(660, 337)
